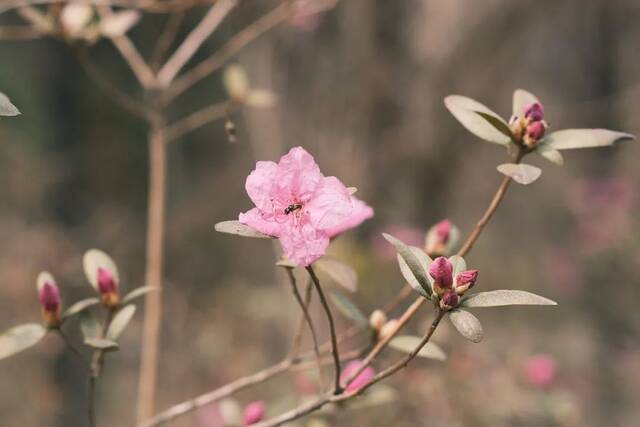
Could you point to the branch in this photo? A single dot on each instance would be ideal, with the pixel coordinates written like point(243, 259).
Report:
point(166, 39)
point(22, 32)
point(196, 120)
point(194, 40)
point(95, 369)
point(332, 329)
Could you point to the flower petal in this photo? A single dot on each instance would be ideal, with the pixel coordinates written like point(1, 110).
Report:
point(298, 176)
point(260, 183)
point(303, 244)
point(360, 213)
point(330, 204)
point(254, 219)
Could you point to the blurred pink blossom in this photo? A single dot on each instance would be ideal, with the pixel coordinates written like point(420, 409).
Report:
point(254, 413)
point(361, 380)
point(300, 206)
point(540, 370)
point(561, 270)
point(410, 235)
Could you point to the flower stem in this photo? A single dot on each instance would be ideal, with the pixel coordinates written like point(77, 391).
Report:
point(332, 329)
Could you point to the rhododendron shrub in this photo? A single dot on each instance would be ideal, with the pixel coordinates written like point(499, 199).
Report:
point(304, 210)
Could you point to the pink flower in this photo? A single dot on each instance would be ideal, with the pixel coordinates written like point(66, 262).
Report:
point(442, 230)
point(254, 413)
point(540, 370)
point(441, 271)
point(300, 206)
point(439, 238)
point(534, 111)
point(449, 300)
point(361, 380)
point(536, 130)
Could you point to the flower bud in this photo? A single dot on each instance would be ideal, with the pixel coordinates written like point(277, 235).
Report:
point(254, 413)
point(465, 281)
point(108, 288)
point(441, 271)
point(362, 379)
point(534, 112)
point(377, 320)
point(49, 296)
point(388, 329)
point(438, 238)
point(535, 132)
point(449, 300)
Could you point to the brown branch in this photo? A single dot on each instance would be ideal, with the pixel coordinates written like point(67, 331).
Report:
point(194, 40)
point(95, 369)
point(196, 120)
point(154, 264)
point(305, 312)
point(233, 46)
point(165, 40)
point(297, 336)
point(21, 32)
point(332, 328)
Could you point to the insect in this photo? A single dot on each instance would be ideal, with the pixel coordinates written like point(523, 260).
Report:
point(292, 207)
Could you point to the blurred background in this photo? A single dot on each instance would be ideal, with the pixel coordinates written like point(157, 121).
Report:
point(361, 88)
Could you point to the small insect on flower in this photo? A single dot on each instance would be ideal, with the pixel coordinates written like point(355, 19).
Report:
point(292, 207)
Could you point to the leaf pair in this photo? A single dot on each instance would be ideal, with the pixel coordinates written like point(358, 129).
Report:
point(92, 330)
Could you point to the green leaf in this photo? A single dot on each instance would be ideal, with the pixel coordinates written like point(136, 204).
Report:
point(101, 344)
point(120, 322)
point(550, 153)
point(20, 338)
point(568, 139)
point(6, 107)
point(80, 306)
point(138, 292)
point(89, 325)
point(414, 266)
point(458, 263)
point(468, 112)
point(498, 123)
point(348, 309)
point(467, 324)
point(339, 272)
point(522, 98)
point(234, 227)
point(408, 343)
point(505, 297)
point(521, 173)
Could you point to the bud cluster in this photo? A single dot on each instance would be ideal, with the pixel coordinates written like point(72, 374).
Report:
point(447, 288)
point(531, 127)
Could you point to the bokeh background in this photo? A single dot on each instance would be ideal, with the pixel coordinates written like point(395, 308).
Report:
point(361, 87)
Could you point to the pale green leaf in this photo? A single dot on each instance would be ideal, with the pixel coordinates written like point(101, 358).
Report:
point(505, 297)
point(584, 138)
point(6, 107)
point(80, 306)
point(408, 343)
point(339, 272)
point(138, 292)
point(89, 325)
point(120, 322)
point(234, 227)
point(418, 264)
point(521, 173)
point(550, 153)
point(467, 112)
point(20, 338)
point(522, 98)
point(348, 309)
point(467, 324)
point(101, 344)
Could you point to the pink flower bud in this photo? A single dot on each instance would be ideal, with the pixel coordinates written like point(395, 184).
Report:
point(534, 112)
point(536, 130)
point(466, 280)
point(449, 300)
point(442, 272)
point(442, 230)
point(254, 413)
point(377, 320)
point(359, 381)
point(540, 370)
point(49, 297)
point(106, 282)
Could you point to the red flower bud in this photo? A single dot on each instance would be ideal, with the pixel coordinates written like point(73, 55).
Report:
point(441, 271)
point(49, 296)
point(254, 413)
point(449, 300)
point(534, 112)
point(466, 280)
point(536, 130)
point(106, 282)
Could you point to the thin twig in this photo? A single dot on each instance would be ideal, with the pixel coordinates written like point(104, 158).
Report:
point(297, 336)
point(332, 329)
point(153, 274)
point(233, 46)
point(196, 120)
point(19, 32)
point(95, 369)
point(165, 40)
point(305, 312)
point(194, 40)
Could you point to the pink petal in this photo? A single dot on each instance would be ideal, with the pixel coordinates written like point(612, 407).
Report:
point(256, 220)
point(360, 213)
point(260, 183)
point(330, 204)
point(303, 244)
point(298, 176)
point(362, 379)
